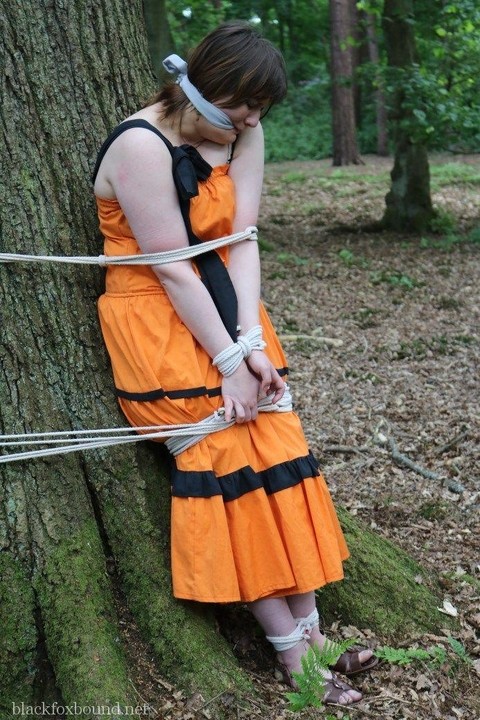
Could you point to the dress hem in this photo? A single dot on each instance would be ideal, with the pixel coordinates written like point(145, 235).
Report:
point(272, 593)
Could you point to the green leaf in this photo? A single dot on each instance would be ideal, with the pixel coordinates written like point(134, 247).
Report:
point(459, 650)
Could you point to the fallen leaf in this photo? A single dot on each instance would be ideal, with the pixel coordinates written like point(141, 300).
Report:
point(448, 609)
point(423, 682)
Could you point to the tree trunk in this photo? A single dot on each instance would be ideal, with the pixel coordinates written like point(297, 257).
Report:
point(160, 41)
point(72, 71)
point(74, 527)
point(345, 151)
point(408, 204)
point(380, 105)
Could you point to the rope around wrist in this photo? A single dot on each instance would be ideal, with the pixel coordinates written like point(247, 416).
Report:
point(230, 359)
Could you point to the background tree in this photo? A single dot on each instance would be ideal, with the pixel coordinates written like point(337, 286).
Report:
point(345, 150)
point(77, 530)
point(377, 83)
point(408, 204)
point(160, 40)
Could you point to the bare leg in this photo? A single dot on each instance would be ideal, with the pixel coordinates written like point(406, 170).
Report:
point(276, 618)
point(301, 606)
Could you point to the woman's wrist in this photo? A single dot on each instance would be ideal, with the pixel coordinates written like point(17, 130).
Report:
point(229, 359)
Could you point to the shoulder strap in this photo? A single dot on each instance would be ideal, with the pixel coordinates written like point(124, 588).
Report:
point(121, 129)
point(188, 167)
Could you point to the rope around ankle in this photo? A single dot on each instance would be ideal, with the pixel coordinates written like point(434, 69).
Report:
point(308, 623)
point(286, 642)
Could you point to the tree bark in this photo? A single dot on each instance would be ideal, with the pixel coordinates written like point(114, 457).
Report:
point(408, 204)
point(345, 150)
point(74, 527)
point(72, 71)
point(380, 104)
point(160, 41)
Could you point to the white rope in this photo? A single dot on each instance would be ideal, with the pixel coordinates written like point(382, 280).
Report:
point(308, 623)
point(286, 642)
point(177, 445)
point(160, 258)
point(229, 359)
point(180, 437)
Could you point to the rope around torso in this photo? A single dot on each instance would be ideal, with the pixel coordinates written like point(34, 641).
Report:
point(178, 437)
point(160, 258)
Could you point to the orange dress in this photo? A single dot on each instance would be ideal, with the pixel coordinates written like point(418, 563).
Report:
point(251, 514)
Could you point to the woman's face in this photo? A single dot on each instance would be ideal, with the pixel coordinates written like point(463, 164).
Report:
point(246, 115)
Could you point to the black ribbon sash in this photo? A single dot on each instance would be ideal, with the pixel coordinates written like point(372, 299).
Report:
point(188, 168)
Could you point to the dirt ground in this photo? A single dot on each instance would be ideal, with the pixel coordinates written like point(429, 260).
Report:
point(382, 335)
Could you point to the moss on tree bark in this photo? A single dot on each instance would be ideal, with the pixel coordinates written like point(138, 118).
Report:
point(66, 84)
point(384, 588)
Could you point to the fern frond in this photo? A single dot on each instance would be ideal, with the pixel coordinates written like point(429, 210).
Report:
point(459, 650)
point(311, 681)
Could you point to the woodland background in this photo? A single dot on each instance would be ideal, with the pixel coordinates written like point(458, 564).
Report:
point(370, 249)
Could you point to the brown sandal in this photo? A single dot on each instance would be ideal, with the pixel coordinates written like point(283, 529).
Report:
point(334, 689)
point(349, 662)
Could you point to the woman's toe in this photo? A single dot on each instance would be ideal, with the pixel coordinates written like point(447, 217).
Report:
point(349, 697)
point(364, 656)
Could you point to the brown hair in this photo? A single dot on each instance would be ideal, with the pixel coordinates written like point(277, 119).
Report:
point(235, 62)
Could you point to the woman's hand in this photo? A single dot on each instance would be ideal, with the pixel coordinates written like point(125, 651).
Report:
point(269, 379)
point(240, 395)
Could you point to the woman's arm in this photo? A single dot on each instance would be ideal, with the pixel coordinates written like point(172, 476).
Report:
point(246, 172)
point(138, 168)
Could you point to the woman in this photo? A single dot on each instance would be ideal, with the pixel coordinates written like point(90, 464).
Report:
point(252, 520)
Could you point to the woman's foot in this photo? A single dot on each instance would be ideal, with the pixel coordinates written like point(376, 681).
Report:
point(336, 691)
point(350, 663)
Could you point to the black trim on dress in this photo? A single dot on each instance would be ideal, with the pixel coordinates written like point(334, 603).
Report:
point(161, 394)
point(232, 486)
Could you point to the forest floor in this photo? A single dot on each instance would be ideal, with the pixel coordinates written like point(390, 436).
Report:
point(382, 334)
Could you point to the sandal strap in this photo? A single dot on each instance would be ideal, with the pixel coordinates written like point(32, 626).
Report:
point(286, 642)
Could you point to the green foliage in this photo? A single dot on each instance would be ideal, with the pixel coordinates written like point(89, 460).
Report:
point(459, 650)
point(402, 656)
point(434, 656)
point(440, 94)
point(396, 278)
point(449, 173)
point(190, 22)
point(442, 222)
point(351, 260)
point(288, 258)
point(311, 681)
point(445, 243)
point(474, 235)
point(301, 127)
